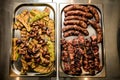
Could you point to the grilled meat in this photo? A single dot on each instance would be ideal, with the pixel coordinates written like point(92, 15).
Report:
point(76, 7)
point(76, 18)
point(95, 13)
point(75, 27)
point(76, 22)
point(78, 13)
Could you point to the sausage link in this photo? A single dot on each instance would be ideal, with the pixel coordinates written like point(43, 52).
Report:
point(95, 13)
point(76, 7)
point(71, 33)
point(77, 28)
point(98, 29)
point(75, 18)
point(79, 13)
point(76, 22)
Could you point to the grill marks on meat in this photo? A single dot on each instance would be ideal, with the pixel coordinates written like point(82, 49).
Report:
point(71, 33)
point(75, 18)
point(76, 22)
point(76, 7)
point(79, 13)
point(91, 61)
point(72, 63)
point(75, 27)
point(98, 29)
point(95, 50)
point(95, 13)
point(88, 59)
point(80, 52)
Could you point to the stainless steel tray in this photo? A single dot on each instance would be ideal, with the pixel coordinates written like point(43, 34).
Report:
point(91, 32)
point(15, 66)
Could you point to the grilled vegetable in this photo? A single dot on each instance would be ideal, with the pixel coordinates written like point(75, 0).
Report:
point(35, 47)
point(39, 16)
point(51, 50)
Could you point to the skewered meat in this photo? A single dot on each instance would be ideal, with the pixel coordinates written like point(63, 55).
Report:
point(76, 7)
point(98, 29)
point(75, 27)
point(75, 18)
point(76, 22)
point(95, 13)
point(79, 13)
point(71, 33)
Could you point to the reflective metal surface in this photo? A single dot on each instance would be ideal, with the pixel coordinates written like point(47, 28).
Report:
point(111, 11)
point(91, 31)
point(18, 8)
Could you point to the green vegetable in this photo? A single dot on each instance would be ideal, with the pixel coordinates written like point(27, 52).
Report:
point(39, 16)
point(51, 50)
point(15, 54)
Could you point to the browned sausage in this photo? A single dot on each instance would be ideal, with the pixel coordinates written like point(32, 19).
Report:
point(71, 33)
point(79, 13)
point(98, 29)
point(75, 22)
point(75, 18)
point(76, 7)
point(75, 27)
point(95, 13)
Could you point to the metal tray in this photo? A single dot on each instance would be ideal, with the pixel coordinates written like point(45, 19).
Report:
point(15, 66)
point(91, 32)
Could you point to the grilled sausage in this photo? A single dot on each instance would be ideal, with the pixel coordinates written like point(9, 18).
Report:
point(75, 22)
point(71, 33)
point(76, 7)
point(77, 28)
point(79, 13)
point(75, 18)
point(98, 29)
point(95, 13)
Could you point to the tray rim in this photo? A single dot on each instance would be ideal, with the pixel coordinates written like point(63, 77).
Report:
point(19, 5)
point(100, 8)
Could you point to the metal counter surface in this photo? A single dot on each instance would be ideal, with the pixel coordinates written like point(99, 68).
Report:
point(111, 11)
